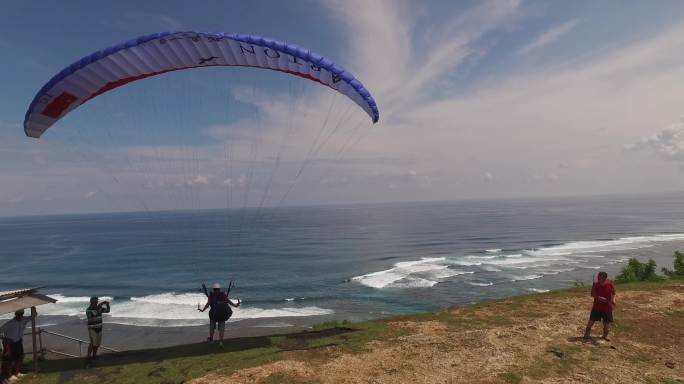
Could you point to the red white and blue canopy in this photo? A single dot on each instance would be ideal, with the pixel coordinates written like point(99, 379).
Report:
point(159, 53)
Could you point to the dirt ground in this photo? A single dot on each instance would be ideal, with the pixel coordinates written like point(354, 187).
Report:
point(533, 339)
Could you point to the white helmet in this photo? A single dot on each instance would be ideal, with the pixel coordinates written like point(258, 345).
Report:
point(216, 286)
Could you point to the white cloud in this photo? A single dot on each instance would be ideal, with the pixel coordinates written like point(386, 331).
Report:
point(390, 57)
point(90, 194)
point(572, 113)
point(575, 113)
point(667, 144)
point(549, 36)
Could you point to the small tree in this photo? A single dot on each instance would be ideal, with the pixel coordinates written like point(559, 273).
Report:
point(637, 271)
point(678, 266)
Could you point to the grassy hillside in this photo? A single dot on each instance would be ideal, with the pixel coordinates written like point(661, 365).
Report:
point(526, 339)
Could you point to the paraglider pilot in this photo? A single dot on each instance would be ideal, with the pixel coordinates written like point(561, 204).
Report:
point(220, 310)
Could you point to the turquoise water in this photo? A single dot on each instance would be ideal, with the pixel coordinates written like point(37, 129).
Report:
point(348, 262)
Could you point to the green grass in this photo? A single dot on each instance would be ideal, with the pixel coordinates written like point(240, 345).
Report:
point(619, 325)
point(512, 377)
point(678, 314)
point(649, 284)
point(558, 361)
point(641, 358)
point(181, 363)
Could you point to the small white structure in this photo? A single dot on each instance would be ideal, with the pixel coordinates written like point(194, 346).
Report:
point(12, 301)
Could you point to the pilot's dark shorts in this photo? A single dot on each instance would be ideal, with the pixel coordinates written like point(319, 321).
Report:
point(606, 317)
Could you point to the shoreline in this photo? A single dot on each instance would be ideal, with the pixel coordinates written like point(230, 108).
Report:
point(124, 337)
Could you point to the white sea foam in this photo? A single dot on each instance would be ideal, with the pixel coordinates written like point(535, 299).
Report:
point(495, 250)
point(597, 246)
point(295, 298)
point(466, 263)
point(172, 299)
point(577, 252)
point(620, 260)
point(525, 277)
point(555, 271)
point(76, 299)
point(414, 282)
point(472, 260)
point(537, 290)
point(170, 310)
point(481, 284)
point(68, 305)
point(446, 273)
point(481, 257)
point(517, 260)
point(425, 272)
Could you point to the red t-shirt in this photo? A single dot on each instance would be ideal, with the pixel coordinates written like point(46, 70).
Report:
point(607, 290)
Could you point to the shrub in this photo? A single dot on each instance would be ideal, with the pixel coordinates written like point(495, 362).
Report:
point(678, 266)
point(638, 271)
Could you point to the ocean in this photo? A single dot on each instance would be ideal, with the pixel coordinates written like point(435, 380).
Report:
point(350, 262)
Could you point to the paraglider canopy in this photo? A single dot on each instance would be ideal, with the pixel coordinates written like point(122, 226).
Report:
point(159, 53)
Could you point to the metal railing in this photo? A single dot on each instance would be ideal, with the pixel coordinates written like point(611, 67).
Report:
point(43, 349)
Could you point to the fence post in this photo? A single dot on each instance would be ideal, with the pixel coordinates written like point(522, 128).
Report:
point(40, 343)
point(33, 337)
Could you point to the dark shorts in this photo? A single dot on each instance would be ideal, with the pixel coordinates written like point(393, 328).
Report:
point(606, 317)
point(13, 351)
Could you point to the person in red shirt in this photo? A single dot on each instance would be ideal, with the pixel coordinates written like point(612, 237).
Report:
point(603, 293)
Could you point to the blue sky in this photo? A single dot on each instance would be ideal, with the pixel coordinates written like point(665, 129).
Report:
point(477, 99)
